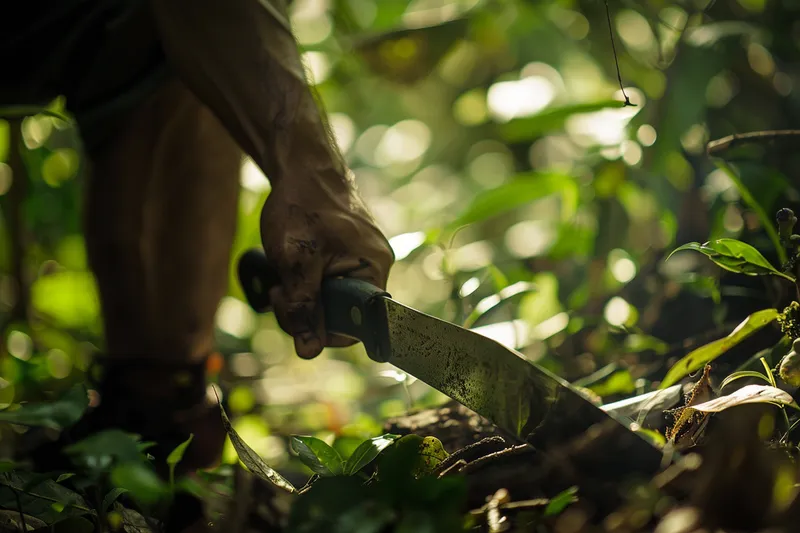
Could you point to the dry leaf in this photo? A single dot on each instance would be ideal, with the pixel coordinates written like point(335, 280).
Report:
point(252, 460)
point(690, 424)
point(745, 395)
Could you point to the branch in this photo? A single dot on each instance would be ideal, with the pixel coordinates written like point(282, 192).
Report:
point(726, 143)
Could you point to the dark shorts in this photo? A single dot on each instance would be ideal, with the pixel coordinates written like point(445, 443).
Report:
point(103, 56)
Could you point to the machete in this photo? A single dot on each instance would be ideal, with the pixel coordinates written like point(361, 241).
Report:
point(526, 402)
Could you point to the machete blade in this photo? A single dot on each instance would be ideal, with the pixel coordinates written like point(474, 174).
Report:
point(525, 401)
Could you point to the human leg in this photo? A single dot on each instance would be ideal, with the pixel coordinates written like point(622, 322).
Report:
point(160, 222)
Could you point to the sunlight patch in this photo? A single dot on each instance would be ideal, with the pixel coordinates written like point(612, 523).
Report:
point(405, 243)
point(512, 99)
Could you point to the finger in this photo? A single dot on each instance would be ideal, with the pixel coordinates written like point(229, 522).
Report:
point(339, 341)
point(358, 269)
point(299, 307)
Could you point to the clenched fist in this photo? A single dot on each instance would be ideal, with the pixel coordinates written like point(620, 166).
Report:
point(314, 230)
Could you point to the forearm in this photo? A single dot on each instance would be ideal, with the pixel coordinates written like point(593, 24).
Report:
point(237, 58)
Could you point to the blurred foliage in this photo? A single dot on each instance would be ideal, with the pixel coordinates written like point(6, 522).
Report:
point(521, 198)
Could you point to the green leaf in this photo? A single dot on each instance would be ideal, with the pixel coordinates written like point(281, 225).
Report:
point(521, 190)
point(100, 450)
point(112, 496)
point(317, 455)
point(653, 436)
point(431, 454)
point(698, 358)
point(561, 501)
point(367, 451)
point(175, 457)
point(528, 128)
point(58, 414)
point(21, 111)
point(734, 256)
point(746, 395)
point(251, 459)
point(638, 342)
point(38, 499)
point(140, 481)
point(620, 382)
point(742, 374)
point(130, 521)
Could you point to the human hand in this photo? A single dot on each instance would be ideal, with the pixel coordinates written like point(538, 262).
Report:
point(311, 234)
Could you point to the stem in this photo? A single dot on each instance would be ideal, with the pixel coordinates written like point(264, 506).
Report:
point(748, 199)
point(723, 144)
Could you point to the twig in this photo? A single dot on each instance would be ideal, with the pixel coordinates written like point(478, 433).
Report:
point(726, 143)
point(468, 453)
point(305, 488)
point(502, 454)
point(516, 506)
point(497, 522)
point(452, 467)
point(616, 60)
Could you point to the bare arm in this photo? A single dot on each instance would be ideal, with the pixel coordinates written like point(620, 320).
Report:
point(243, 63)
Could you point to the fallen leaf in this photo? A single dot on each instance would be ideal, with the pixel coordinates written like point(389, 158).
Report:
point(745, 395)
point(251, 459)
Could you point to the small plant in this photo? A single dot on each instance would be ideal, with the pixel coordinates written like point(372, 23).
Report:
point(736, 256)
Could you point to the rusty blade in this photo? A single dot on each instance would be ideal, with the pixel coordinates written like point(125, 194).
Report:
point(525, 401)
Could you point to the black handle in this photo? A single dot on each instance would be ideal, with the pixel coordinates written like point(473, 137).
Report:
point(353, 308)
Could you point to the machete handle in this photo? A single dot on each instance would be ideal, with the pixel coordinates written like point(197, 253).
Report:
point(352, 307)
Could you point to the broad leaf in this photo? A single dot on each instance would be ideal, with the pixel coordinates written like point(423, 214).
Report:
point(100, 450)
point(561, 501)
point(112, 496)
point(318, 456)
point(47, 500)
point(529, 128)
point(58, 414)
point(620, 382)
point(140, 481)
point(698, 358)
point(130, 521)
point(522, 190)
point(734, 256)
point(431, 454)
point(251, 459)
point(746, 395)
point(367, 451)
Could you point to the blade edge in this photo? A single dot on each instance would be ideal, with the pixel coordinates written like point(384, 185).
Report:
point(525, 401)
